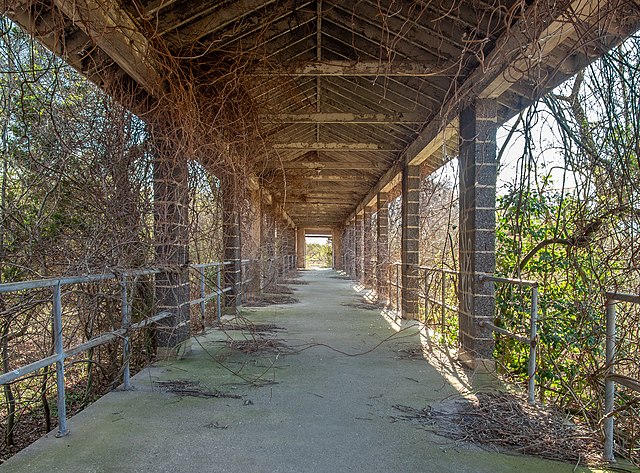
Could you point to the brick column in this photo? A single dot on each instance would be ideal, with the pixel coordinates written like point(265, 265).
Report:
point(348, 248)
point(267, 245)
point(367, 248)
point(171, 239)
point(353, 258)
point(280, 246)
point(301, 248)
point(382, 230)
point(359, 235)
point(478, 125)
point(290, 234)
point(410, 240)
point(251, 246)
point(232, 249)
point(336, 238)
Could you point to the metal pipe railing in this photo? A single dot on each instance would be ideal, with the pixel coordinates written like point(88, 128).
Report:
point(611, 377)
point(444, 272)
point(60, 354)
point(532, 339)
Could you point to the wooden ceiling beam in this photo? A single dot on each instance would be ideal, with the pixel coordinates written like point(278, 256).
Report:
point(340, 49)
point(345, 118)
point(437, 86)
point(311, 201)
point(111, 28)
point(318, 165)
point(557, 31)
point(337, 177)
point(348, 68)
point(313, 146)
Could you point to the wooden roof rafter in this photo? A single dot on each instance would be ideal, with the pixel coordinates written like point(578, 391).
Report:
point(326, 77)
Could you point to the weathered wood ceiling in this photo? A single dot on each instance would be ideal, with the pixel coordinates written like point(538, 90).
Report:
point(348, 92)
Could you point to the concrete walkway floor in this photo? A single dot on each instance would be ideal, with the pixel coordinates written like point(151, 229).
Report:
point(314, 409)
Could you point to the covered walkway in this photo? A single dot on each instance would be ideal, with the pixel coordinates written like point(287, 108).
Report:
point(302, 406)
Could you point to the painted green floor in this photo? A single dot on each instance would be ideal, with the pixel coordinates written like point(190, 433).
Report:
point(314, 410)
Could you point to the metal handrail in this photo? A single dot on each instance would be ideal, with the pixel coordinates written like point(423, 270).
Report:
point(611, 377)
point(532, 339)
point(60, 354)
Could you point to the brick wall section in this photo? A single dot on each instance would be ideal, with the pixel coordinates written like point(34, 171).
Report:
point(346, 248)
point(410, 240)
point(336, 238)
point(281, 245)
point(382, 247)
point(232, 251)
point(290, 246)
point(251, 221)
point(354, 250)
point(351, 256)
point(267, 244)
point(367, 248)
point(358, 232)
point(171, 231)
point(301, 248)
point(478, 125)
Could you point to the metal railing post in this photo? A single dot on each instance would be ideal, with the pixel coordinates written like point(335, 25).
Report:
point(609, 384)
point(59, 348)
point(443, 294)
point(398, 288)
point(126, 346)
point(203, 295)
point(532, 344)
point(426, 297)
point(219, 290)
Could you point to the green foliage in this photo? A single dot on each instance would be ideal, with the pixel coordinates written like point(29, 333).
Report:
point(319, 255)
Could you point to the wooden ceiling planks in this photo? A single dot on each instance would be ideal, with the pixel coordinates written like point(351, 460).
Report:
point(347, 92)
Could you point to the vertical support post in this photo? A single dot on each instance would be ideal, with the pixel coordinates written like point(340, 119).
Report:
point(301, 248)
point(382, 230)
point(443, 307)
point(126, 346)
point(59, 348)
point(398, 288)
point(267, 245)
point(352, 249)
point(410, 241)
point(336, 240)
point(232, 250)
point(203, 295)
point(367, 267)
point(609, 384)
point(477, 161)
point(219, 289)
point(291, 238)
point(171, 238)
point(359, 235)
point(426, 296)
point(533, 335)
